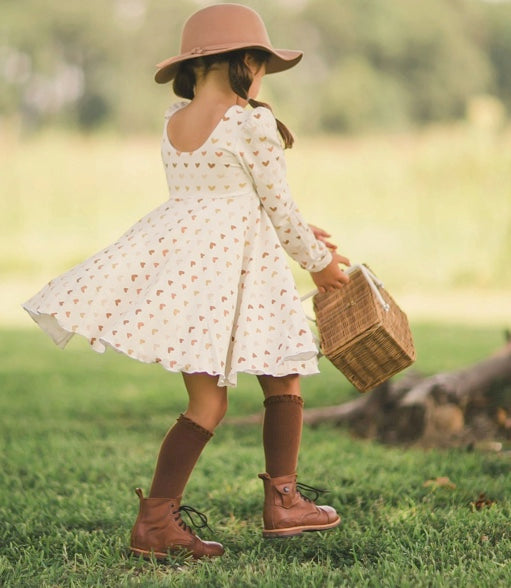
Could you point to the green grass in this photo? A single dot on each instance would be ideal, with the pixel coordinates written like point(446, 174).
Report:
point(80, 431)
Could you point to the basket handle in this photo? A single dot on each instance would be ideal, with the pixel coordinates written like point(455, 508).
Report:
point(374, 282)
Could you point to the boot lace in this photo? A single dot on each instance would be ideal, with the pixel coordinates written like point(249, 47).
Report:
point(305, 489)
point(198, 519)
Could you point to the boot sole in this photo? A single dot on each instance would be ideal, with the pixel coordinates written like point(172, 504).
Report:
point(293, 531)
point(162, 556)
point(150, 554)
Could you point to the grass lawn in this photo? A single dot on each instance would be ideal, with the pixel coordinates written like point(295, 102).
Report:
point(80, 431)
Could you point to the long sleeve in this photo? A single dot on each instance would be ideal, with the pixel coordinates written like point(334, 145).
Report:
point(262, 155)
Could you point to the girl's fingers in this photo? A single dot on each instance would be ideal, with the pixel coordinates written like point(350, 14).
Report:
point(341, 259)
point(323, 238)
point(344, 279)
point(319, 232)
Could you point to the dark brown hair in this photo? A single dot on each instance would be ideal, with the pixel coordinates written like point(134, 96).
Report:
point(240, 78)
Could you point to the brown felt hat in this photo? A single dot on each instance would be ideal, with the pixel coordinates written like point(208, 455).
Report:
point(222, 28)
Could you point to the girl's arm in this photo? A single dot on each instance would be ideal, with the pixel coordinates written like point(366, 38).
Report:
point(262, 156)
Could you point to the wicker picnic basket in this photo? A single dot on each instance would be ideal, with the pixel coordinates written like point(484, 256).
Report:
point(363, 332)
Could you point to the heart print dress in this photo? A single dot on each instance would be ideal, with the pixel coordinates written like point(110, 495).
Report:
point(201, 283)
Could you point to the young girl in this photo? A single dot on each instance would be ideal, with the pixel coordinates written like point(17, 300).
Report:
point(201, 284)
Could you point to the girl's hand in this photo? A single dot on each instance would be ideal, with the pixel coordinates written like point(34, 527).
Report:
point(322, 235)
point(331, 277)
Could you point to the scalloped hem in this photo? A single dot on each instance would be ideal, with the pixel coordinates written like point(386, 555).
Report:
point(302, 364)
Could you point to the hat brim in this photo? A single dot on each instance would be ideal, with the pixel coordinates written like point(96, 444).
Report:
point(280, 60)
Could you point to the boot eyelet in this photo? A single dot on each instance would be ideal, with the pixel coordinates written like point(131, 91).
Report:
point(286, 489)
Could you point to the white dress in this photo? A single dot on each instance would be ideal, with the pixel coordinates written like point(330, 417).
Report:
point(201, 283)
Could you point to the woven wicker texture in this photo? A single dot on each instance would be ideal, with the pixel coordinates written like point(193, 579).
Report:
point(364, 341)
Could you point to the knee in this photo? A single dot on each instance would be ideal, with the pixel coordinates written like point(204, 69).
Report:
point(208, 416)
point(221, 410)
point(277, 386)
point(217, 413)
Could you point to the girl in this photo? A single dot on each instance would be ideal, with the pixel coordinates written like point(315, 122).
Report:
point(201, 284)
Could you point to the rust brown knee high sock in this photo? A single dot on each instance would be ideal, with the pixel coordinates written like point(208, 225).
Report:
point(178, 455)
point(282, 432)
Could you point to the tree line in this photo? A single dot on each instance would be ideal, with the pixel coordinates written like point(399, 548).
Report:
point(368, 64)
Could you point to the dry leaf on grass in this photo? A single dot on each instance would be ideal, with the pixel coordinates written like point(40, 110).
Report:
point(441, 482)
point(482, 502)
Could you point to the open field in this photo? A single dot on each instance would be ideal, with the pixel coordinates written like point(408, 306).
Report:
point(80, 431)
point(430, 211)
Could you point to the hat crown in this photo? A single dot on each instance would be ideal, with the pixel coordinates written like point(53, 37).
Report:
point(222, 28)
point(223, 24)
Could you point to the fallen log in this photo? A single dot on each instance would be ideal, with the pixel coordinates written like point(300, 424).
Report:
point(459, 386)
point(452, 408)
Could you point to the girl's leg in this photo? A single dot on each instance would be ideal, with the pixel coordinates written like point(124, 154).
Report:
point(185, 441)
point(286, 512)
point(282, 427)
point(159, 527)
point(207, 402)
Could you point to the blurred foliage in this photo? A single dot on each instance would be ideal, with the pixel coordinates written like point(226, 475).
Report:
point(369, 63)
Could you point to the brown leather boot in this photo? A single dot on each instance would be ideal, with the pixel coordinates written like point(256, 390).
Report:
point(160, 529)
point(287, 512)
